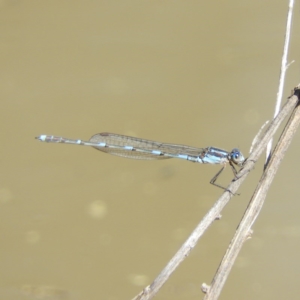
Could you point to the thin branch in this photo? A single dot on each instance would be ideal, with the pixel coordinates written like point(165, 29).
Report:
point(244, 229)
point(215, 211)
point(284, 67)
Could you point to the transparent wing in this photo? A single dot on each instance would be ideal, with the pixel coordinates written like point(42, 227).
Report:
point(136, 148)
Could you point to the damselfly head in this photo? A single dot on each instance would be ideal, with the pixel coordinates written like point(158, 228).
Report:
point(237, 157)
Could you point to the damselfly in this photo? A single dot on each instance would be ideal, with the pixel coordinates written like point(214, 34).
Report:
point(136, 148)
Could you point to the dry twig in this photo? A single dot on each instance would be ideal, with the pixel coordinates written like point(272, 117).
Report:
point(150, 291)
point(244, 229)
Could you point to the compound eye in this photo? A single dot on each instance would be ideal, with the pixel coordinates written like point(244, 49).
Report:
point(237, 157)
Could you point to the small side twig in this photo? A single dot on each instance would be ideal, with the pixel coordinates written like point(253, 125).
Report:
point(254, 207)
point(215, 211)
point(284, 67)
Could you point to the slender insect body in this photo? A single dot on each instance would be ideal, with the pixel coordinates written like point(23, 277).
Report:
point(136, 148)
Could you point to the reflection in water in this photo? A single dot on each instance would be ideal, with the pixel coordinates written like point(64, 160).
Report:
point(97, 209)
point(138, 279)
